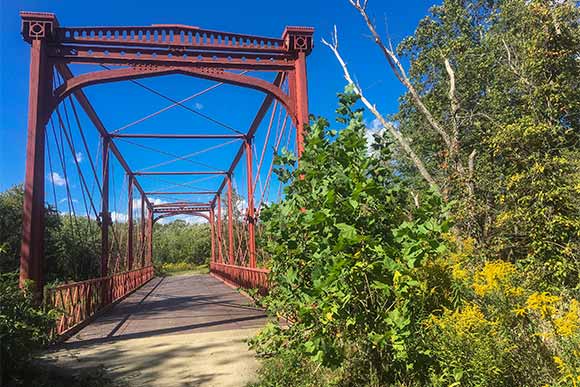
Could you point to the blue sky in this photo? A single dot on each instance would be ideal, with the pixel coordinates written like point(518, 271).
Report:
point(122, 103)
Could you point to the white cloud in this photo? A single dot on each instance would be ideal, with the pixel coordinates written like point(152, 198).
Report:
point(198, 106)
point(194, 219)
point(242, 204)
point(189, 219)
point(118, 217)
point(65, 200)
point(137, 205)
point(165, 220)
point(375, 127)
point(57, 179)
point(79, 157)
point(156, 201)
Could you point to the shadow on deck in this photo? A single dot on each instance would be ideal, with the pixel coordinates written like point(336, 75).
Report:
point(183, 331)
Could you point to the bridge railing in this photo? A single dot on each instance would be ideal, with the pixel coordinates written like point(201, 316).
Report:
point(78, 301)
point(241, 276)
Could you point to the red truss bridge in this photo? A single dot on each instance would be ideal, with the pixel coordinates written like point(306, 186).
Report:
point(66, 61)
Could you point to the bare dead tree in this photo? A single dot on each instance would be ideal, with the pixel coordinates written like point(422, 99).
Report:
point(402, 142)
point(448, 132)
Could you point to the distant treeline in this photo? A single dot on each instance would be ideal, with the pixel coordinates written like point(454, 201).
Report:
point(73, 243)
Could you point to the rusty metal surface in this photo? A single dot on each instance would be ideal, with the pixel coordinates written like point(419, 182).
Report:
point(79, 301)
point(242, 276)
point(170, 306)
point(143, 52)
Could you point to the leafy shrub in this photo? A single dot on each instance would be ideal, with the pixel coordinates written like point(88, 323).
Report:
point(377, 291)
point(71, 243)
point(504, 334)
point(24, 327)
point(290, 370)
point(348, 258)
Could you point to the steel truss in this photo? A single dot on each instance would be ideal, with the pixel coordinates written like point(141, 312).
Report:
point(142, 52)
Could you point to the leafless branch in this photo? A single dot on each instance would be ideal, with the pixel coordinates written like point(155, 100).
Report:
point(416, 200)
point(512, 66)
point(471, 163)
point(453, 101)
point(400, 72)
point(403, 143)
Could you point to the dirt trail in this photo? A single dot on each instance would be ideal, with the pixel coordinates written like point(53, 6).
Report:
point(175, 331)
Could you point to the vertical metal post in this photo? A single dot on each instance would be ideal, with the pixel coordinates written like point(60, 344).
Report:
point(301, 93)
point(130, 224)
point(219, 229)
point(105, 216)
point(142, 244)
point(250, 213)
point(150, 225)
point(40, 91)
point(230, 222)
point(211, 226)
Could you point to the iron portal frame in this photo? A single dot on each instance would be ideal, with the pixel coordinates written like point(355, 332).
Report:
point(140, 52)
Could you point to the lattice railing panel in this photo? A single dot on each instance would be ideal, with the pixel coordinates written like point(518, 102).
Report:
point(243, 277)
point(79, 301)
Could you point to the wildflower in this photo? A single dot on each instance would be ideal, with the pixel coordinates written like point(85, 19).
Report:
point(544, 335)
point(468, 246)
point(458, 273)
point(396, 279)
point(542, 303)
point(566, 371)
point(492, 276)
point(569, 322)
point(515, 291)
point(503, 218)
point(469, 318)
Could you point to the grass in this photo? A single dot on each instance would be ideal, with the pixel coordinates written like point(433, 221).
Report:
point(183, 268)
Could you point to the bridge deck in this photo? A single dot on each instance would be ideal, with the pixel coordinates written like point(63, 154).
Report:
point(182, 330)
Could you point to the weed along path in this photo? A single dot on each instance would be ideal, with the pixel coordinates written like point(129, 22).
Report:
point(185, 330)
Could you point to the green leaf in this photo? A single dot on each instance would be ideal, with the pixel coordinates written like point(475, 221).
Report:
point(347, 232)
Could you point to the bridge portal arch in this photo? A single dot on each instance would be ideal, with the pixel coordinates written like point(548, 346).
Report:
point(134, 52)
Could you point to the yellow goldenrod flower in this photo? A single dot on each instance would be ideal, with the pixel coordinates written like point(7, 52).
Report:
point(396, 278)
point(542, 303)
point(569, 323)
point(492, 275)
point(458, 273)
point(468, 319)
point(515, 291)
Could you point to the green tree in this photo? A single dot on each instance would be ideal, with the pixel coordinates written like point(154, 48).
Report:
point(376, 290)
point(517, 106)
point(179, 241)
point(10, 228)
point(11, 231)
point(492, 111)
point(71, 244)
